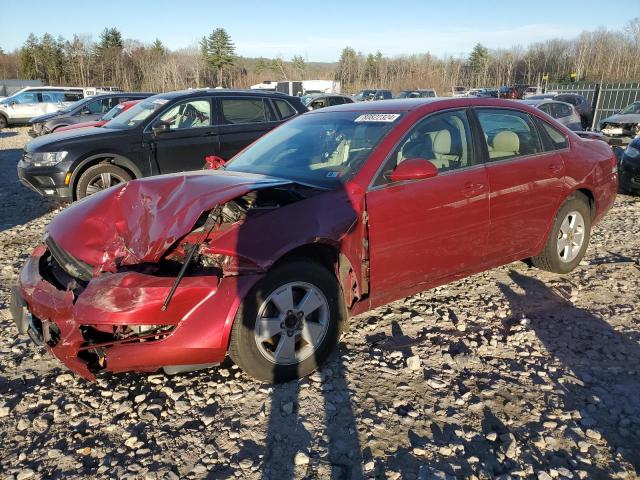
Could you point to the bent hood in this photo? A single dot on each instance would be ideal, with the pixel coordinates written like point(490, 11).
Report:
point(138, 221)
point(622, 118)
point(45, 117)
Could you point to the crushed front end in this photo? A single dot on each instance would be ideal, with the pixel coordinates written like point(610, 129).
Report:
point(114, 322)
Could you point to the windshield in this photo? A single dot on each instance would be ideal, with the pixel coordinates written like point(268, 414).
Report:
point(75, 104)
point(306, 99)
point(136, 114)
point(113, 113)
point(365, 94)
point(323, 149)
point(631, 109)
point(404, 94)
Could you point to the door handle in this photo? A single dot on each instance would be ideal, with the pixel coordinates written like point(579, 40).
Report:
point(471, 188)
point(555, 168)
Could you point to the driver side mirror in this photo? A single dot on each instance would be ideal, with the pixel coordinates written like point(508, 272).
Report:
point(160, 128)
point(414, 169)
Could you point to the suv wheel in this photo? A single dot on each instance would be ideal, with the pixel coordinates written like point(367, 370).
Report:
point(569, 237)
point(3, 122)
point(100, 177)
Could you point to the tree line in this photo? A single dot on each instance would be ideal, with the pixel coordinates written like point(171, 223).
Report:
point(599, 55)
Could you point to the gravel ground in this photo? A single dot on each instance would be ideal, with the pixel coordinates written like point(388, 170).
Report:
point(512, 373)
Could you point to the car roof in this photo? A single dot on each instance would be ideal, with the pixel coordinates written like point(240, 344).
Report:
point(537, 102)
point(221, 92)
point(409, 104)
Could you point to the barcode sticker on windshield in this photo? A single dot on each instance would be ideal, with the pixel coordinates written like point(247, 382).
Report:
point(378, 117)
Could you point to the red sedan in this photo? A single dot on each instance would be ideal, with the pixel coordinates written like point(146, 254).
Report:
point(334, 213)
point(110, 115)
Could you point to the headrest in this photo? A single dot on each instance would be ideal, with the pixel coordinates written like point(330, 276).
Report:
point(506, 141)
point(442, 142)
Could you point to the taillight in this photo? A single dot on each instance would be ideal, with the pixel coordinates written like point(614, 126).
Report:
point(614, 162)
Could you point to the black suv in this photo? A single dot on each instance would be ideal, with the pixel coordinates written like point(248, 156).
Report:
point(166, 133)
point(85, 110)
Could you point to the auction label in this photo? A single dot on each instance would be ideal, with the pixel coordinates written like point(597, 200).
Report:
point(378, 117)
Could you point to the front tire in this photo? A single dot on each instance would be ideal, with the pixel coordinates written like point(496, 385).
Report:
point(289, 323)
point(568, 238)
point(100, 177)
point(3, 122)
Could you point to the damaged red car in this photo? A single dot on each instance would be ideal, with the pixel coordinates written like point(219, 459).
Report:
point(332, 214)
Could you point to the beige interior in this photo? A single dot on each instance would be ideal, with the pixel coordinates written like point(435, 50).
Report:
point(505, 144)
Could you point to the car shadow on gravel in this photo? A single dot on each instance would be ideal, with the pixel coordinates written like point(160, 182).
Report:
point(8, 134)
point(604, 381)
point(18, 204)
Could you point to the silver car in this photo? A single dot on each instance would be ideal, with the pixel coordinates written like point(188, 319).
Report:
point(30, 102)
point(564, 113)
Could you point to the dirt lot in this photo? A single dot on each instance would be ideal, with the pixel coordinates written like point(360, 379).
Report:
point(513, 373)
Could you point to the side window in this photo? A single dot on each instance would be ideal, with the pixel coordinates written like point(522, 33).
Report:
point(335, 101)
point(546, 108)
point(191, 114)
point(71, 96)
point(284, 109)
point(443, 139)
point(26, 97)
point(244, 110)
point(319, 103)
point(92, 107)
point(509, 133)
point(556, 138)
point(563, 110)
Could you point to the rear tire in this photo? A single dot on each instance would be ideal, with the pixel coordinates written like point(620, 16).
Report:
point(100, 177)
point(3, 122)
point(568, 238)
point(262, 328)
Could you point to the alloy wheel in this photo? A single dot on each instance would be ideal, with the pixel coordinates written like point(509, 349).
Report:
point(571, 236)
point(103, 181)
point(291, 323)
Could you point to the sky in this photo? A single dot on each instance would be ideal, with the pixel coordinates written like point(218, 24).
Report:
point(318, 30)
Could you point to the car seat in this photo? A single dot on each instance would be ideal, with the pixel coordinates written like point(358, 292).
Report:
point(505, 144)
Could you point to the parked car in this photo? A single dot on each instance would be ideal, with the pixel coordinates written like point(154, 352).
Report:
point(512, 92)
point(582, 106)
point(166, 133)
point(459, 91)
point(418, 93)
point(562, 112)
point(88, 109)
point(110, 115)
point(336, 212)
point(372, 94)
point(630, 168)
point(29, 102)
point(622, 125)
point(322, 100)
point(483, 92)
point(85, 110)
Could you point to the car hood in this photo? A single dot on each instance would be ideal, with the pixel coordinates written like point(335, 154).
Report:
point(45, 117)
point(620, 118)
point(49, 143)
point(138, 221)
point(77, 126)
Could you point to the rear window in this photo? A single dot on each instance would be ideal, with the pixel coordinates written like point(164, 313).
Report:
point(244, 110)
point(284, 109)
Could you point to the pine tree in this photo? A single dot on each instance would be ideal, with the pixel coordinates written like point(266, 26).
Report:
point(158, 48)
point(479, 57)
point(218, 52)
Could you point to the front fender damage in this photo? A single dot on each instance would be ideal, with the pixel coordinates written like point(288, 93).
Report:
point(114, 320)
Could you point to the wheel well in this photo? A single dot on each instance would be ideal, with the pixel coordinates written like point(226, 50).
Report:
point(321, 253)
point(95, 161)
point(591, 199)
